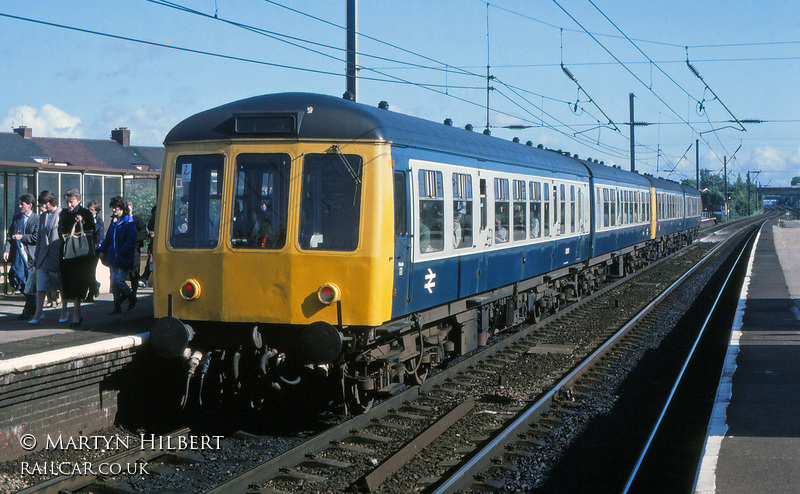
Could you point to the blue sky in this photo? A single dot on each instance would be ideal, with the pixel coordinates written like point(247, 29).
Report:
point(428, 58)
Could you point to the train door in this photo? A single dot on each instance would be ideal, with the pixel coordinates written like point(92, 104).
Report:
point(578, 208)
point(485, 236)
point(594, 200)
point(557, 212)
point(486, 231)
point(402, 245)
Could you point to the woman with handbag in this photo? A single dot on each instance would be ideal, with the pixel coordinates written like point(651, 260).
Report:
point(76, 226)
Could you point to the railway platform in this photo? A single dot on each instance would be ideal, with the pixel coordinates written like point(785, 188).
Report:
point(20, 339)
point(753, 439)
point(55, 380)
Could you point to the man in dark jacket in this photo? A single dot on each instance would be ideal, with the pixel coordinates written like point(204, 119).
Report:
point(117, 252)
point(20, 248)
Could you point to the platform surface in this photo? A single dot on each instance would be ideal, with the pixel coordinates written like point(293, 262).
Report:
point(753, 440)
point(20, 339)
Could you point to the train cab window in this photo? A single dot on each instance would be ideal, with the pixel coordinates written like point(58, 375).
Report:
point(536, 209)
point(546, 223)
point(196, 201)
point(520, 210)
point(501, 212)
point(261, 201)
point(330, 206)
point(462, 210)
point(431, 211)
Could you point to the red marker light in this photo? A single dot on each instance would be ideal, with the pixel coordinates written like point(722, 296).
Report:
point(190, 289)
point(328, 293)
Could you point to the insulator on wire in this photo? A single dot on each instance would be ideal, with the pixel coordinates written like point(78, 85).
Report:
point(569, 74)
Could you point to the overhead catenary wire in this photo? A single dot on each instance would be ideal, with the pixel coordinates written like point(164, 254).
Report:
point(454, 84)
point(428, 86)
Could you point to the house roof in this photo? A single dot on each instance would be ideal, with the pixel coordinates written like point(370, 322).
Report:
point(92, 154)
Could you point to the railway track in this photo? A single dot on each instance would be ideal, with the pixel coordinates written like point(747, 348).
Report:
point(473, 400)
point(526, 377)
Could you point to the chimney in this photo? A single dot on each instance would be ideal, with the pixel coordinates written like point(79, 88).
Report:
point(25, 132)
point(122, 135)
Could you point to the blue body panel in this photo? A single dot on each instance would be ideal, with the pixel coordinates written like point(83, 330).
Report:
point(427, 283)
point(443, 280)
point(610, 240)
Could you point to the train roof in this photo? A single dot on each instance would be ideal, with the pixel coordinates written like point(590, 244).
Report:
point(689, 190)
point(615, 175)
point(663, 184)
point(316, 116)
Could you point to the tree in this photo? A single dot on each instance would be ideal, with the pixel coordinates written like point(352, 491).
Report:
point(712, 187)
point(142, 193)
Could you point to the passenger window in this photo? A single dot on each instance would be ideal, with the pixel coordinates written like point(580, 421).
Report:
point(462, 210)
point(330, 205)
point(197, 201)
point(261, 201)
point(536, 209)
point(614, 201)
point(431, 211)
point(520, 210)
point(501, 214)
point(572, 207)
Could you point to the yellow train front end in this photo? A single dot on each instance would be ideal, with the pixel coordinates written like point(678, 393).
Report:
point(273, 276)
point(290, 239)
point(274, 246)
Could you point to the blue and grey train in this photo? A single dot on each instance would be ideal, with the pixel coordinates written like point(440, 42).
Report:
point(301, 232)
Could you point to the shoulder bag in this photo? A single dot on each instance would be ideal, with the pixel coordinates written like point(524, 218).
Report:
point(78, 243)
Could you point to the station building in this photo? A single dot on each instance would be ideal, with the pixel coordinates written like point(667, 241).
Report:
point(100, 169)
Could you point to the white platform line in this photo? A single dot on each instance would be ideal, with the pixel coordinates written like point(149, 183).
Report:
point(29, 362)
point(706, 478)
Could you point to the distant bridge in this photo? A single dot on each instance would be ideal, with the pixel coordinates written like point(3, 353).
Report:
point(787, 194)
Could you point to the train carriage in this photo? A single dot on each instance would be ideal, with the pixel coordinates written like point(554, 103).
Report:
point(621, 206)
point(300, 232)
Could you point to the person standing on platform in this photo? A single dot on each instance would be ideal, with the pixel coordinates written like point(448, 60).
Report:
point(20, 248)
point(77, 275)
point(117, 252)
point(141, 235)
point(48, 253)
point(151, 233)
point(99, 231)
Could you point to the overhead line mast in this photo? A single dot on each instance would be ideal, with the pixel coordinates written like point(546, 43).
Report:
point(352, 46)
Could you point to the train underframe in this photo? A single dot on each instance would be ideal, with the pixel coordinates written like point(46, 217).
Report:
point(249, 364)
